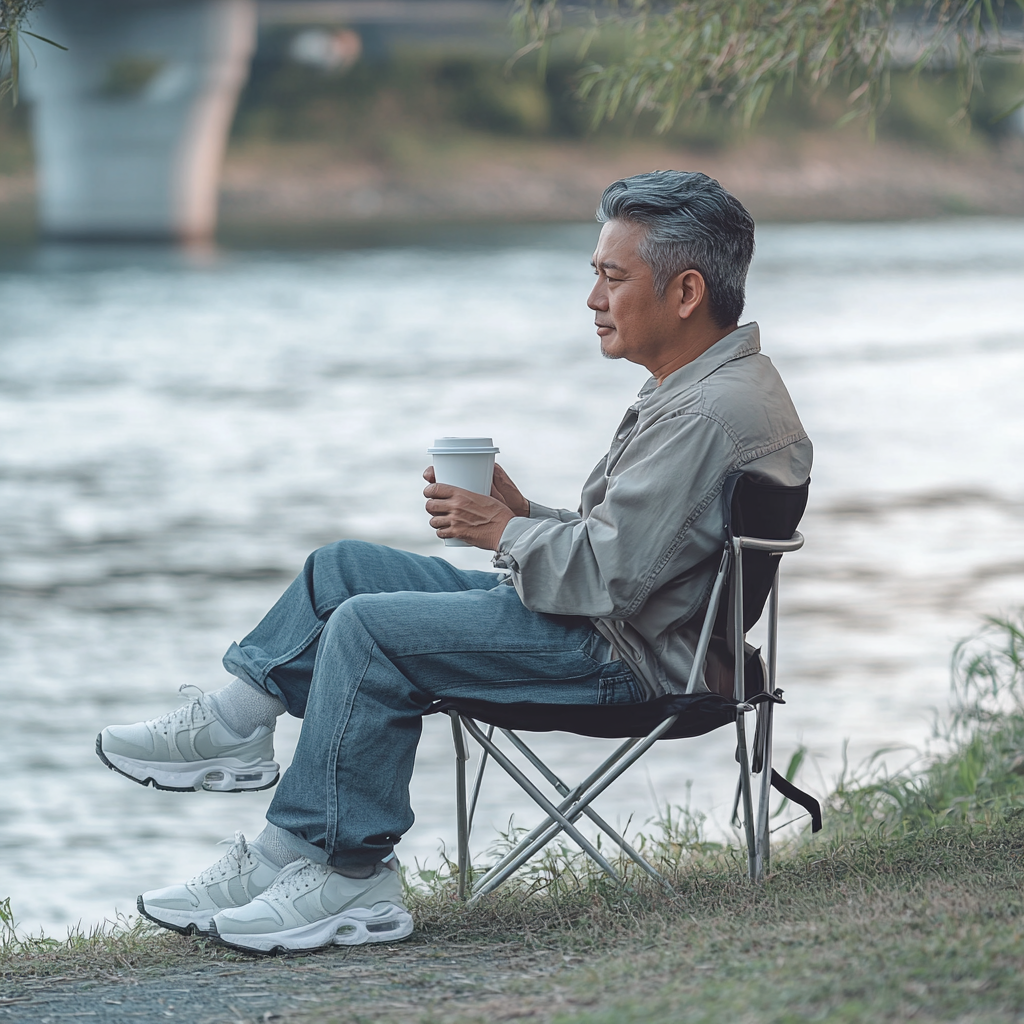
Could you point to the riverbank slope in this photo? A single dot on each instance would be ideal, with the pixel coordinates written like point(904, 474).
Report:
point(924, 926)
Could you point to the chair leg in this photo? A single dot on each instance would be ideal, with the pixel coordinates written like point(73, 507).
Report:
point(763, 806)
point(739, 693)
point(563, 790)
point(461, 756)
point(541, 800)
point(478, 781)
point(547, 829)
point(765, 717)
point(596, 783)
point(748, 802)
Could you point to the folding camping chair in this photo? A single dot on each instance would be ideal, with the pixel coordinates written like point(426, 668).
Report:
point(760, 528)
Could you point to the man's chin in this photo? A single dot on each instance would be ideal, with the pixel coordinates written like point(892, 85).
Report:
point(609, 354)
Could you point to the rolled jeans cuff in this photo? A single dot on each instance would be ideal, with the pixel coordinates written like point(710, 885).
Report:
point(237, 663)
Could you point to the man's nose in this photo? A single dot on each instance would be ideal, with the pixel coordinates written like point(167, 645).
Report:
point(598, 298)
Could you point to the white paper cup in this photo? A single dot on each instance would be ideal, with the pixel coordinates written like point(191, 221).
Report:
point(466, 462)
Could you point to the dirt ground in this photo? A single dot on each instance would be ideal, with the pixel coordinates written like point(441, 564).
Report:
point(407, 981)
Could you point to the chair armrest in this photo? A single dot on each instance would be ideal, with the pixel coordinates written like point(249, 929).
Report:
point(777, 547)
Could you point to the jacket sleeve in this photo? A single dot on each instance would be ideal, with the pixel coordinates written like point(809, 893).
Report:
point(538, 511)
point(645, 529)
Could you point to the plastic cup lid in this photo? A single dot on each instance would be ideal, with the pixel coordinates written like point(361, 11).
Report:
point(463, 446)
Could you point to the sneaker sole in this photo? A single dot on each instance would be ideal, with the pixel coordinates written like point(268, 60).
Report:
point(186, 924)
point(226, 775)
point(385, 922)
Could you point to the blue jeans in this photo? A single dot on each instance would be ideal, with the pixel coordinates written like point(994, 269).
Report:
point(361, 644)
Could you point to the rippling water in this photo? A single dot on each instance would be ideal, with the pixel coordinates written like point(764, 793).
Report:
point(176, 433)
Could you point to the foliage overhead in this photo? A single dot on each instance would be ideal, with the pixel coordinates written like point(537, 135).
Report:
point(682, 58)
point(13, 17)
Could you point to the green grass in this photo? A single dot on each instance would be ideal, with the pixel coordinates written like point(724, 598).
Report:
point(124, 944)
point(974, 772)
point(925, 926)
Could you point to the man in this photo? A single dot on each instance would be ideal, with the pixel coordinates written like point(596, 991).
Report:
point(599, 606)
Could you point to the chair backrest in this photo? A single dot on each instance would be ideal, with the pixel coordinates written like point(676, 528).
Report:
point(757, 509)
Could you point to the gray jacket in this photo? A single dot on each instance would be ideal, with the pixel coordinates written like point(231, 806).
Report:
point(639, 556)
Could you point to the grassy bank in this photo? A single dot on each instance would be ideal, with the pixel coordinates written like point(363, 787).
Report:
point(909, 906)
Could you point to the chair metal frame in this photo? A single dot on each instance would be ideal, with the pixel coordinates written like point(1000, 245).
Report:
point(754, 759)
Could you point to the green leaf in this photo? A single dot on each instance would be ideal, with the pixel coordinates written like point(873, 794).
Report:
point(43, 39)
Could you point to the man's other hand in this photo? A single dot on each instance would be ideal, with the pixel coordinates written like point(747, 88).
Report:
point(478, 519)
point(504, 490)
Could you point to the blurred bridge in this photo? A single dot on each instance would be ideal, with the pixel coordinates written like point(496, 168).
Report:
point(130, 124)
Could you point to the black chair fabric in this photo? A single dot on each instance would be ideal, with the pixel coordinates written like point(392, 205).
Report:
point(756, 509)
point(768, 511)
point(698, 713)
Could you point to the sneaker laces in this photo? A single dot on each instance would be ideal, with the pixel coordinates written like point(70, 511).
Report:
point(231, 861)
point(296, 877)
point(186, 714)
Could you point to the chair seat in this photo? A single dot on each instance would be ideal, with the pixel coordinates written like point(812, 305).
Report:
point(699, 713)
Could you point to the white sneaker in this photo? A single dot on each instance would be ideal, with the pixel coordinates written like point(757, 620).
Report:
point(311, 906)
point(190, 749)
point(241, 874)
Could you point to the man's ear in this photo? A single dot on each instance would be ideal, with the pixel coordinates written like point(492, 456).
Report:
point(689, 289)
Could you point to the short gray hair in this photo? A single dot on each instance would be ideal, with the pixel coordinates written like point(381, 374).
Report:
point(692, 224)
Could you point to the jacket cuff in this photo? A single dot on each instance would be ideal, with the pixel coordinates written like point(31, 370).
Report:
point(514, 529)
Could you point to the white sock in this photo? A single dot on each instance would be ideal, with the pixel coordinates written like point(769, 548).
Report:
point(244, 708)
point(272, 846)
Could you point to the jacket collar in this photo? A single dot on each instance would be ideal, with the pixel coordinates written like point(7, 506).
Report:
point(744, 341)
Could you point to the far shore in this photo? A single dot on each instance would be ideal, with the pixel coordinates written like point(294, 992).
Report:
point(271, 189)
point(813, 177)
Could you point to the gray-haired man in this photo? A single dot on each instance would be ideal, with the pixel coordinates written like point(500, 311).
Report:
point(596, 606)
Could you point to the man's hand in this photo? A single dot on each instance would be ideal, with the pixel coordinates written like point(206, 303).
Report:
point(478, 519)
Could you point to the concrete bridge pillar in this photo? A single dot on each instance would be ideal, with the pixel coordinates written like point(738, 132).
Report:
point(131, 123)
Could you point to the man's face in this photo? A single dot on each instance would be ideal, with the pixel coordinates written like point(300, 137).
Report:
point(632, 322)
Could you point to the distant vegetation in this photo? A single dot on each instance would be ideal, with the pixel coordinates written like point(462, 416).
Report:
point(15, 149)
point(15, 15)
point(680, 59)
point(368, 108)
point(388, 107)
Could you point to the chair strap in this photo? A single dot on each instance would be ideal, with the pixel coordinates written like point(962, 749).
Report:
point(798, 796)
